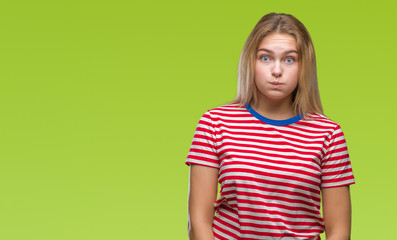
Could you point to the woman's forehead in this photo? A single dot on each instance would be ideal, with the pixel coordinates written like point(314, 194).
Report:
point(277, 42)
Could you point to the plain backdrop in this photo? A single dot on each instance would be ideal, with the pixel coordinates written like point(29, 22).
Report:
point(99, 101)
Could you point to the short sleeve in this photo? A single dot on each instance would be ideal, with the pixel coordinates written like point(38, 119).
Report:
point(336, 167)
point(203, 149)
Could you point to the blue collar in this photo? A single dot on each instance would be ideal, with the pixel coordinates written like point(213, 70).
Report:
point(271, 121)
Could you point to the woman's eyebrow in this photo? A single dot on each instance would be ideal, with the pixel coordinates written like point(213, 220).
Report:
point(270, 51)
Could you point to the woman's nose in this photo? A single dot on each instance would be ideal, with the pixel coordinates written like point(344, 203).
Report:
point(276, 71)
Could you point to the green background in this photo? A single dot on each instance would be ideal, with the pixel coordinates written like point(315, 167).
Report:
point(99, 101)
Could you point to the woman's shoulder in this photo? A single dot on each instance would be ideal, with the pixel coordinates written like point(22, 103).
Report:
point(228, 108)
point(317, 119)
point(226, 111)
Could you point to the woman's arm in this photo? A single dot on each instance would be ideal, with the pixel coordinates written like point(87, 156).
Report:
point(337, 212)
point(203, 187)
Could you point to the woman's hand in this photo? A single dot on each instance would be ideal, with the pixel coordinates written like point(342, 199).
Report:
point(203, 188)
point(337, 212)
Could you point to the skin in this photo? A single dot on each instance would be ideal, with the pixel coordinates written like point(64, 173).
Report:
point(203, 188)
point(337, 212)
point(276, 62)
point(276, 77)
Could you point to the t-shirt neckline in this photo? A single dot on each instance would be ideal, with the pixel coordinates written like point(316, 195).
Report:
point(272, 121)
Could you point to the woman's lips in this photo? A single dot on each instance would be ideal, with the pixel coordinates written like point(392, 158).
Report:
point(276, 84)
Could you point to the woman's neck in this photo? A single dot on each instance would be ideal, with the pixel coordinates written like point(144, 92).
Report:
point(275, 109)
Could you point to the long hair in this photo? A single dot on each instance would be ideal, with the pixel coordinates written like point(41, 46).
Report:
point(306, 96)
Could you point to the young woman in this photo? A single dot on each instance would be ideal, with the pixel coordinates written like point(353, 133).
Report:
point(274, 153)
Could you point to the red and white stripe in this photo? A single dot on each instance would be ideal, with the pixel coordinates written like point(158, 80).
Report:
point(270, 175)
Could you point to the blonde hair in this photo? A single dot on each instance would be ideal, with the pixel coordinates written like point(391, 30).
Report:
point(306, 96)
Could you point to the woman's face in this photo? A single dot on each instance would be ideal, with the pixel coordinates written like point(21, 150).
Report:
point(276, 67)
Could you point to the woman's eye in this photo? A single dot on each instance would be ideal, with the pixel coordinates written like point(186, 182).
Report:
point(289, 60)
point(265, 58)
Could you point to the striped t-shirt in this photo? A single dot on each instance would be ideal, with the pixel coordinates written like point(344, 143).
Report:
point(271, 171)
